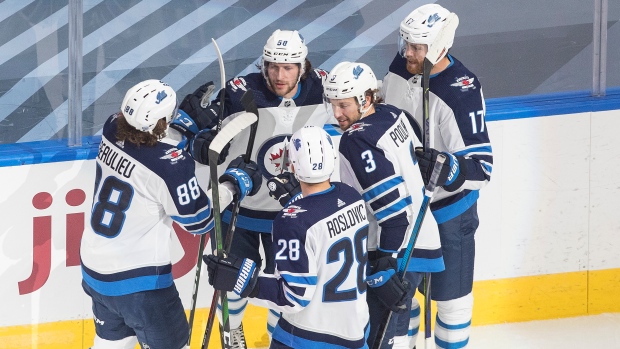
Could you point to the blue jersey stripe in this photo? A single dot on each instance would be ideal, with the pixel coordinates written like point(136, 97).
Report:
point(128, 286)
point(249, 223)
point(447, 213)
point(381, 188)
point(303, 280)
point(398, 206)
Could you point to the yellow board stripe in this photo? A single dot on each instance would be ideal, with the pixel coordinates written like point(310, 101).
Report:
point(527, 298)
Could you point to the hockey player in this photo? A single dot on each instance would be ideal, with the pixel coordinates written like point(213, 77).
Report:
point(288, 93)
point(457, 128)
point(320, 257)
point(377, 158)
point(143, 184)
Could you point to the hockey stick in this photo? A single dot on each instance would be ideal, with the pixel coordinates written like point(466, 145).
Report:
point(226, 134)
point(204, 101)
point(404, 263)
point(247, 100)
point(428, 66)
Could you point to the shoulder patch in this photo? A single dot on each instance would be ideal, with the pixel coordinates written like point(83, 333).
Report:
point(464, 83)
point(238, 83)
point(321, 74)
point(173, 154)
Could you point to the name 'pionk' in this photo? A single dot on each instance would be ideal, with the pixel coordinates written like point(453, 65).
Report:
point(399, 133)
point(346, 220)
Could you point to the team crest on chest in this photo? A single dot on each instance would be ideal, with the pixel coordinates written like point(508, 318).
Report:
point(270, 157)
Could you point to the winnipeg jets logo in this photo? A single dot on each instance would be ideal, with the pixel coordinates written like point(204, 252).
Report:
point(341, 203)
point(465, 83)
point(291, 211)
point(120, 144)
point(238, 83)
point(432, 19)
point(161, 95)
point(173, 154)
point(358, 126)
point(270, 156)
point(357, 71)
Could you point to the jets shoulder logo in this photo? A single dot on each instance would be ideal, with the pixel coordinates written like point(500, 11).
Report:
point(174, 155)
point(358, 126)
point(464, 83)
point(292, 211)
point(238, 83)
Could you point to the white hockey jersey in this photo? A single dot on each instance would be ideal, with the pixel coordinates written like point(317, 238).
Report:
point(139, 192)
point(319, 284)
point(456, 125)
point(377, 158)
point(278, 119)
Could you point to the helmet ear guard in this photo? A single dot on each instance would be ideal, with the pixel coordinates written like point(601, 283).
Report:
point(312, 154)
point(147, 102)
point(432, 25)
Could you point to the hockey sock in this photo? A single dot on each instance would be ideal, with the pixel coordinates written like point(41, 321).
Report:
point(414, 322)
point(453, 322)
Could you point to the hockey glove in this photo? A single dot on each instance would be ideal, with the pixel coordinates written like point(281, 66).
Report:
point(246, 177)
point(232, 274)
point(384, 283)
point(199, 147)
point(450, 177)
point(284, 188)
point(197, 112)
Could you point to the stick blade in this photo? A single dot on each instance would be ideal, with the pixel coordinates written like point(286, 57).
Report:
point(228, 132)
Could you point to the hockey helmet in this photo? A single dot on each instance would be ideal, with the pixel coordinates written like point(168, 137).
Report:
point(423, 25)
point(147, 102)
point(312, 154)
point(350, 79)
point(285, 46)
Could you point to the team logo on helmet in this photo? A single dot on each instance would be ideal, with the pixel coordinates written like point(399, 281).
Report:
point(161, 95)
point(357, 71)
point(270, 156)
point(432, 19)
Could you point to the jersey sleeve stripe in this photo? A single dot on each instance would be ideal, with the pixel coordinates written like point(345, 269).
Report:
point(300, 280)
point(374, 192)
point(200, 216)
point(299, 301)
point(393, 209)
point(484, 149)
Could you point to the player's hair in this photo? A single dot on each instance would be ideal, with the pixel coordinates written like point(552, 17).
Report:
point(126, 132)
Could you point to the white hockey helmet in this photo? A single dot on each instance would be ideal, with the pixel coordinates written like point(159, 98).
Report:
point(350, 79)
point(423, 25)
point(285, 46)
point(147, 102)
point(312, 154)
